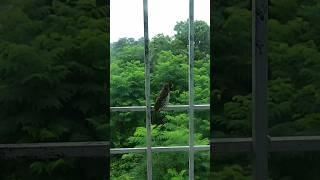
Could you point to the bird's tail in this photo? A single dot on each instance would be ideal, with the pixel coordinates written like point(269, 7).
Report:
point(156, 121)
point(154, 117)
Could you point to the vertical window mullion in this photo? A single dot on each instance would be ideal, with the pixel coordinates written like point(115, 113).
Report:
point(147, 89)
point(191, 89)
point(259, 88)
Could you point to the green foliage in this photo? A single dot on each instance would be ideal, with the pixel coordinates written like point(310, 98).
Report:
point(232, 172)
point(52, 67)
point(52, 72)
point(201, 39)
point(293, 85)
point(169, 63)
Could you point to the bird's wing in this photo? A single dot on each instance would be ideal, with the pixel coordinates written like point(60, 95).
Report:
point(166, 102)
point(162, 98)
point(159, 103)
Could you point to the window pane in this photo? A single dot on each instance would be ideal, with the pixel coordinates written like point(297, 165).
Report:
point(231, 166)
point(172, 130)
point(294, 165)
point(52, 71)
point(127, 53)
point(170, 165)
point(64, 169)
point(128, 129)
point(53, 57)
point(293, 88)
point(128, 24)
point(202, 165)
point(202, 127)
point(128, 166)
point(202, 51)
point(231, 93)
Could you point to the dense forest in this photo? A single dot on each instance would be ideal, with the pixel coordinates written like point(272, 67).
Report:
point(53, 56)
point(293, 86)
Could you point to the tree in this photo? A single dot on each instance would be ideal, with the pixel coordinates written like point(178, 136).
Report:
point(52, 68)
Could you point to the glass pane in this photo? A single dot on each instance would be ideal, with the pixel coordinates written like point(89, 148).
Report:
point(128, 129)
point(62, 169)
point(127, 53)
point(231, 93)
point(294, 68)
point(128, 166)
point(53, 57)
point(52, 71)
point(128, 24)
point(173, 165)
point(202, 165)
point(231, 166)
point(294, 165)
point(202, 85)
point(202, 52)
point(202, 127)
point(171, 130)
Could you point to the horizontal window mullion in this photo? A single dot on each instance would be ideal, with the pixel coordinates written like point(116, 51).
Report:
point(54, 150)
point(159, 149)
point(276, 144)
point(101, 148)
point(169, 107)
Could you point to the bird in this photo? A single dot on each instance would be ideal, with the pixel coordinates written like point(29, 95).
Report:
point(162, 100)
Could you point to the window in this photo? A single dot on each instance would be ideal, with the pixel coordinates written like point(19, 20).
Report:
point(38, 37)
point(169, 150)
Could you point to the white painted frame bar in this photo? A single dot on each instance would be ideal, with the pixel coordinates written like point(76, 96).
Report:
point(159, 149)
point(147, 88)
point(168, 108)
point(191, 90)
